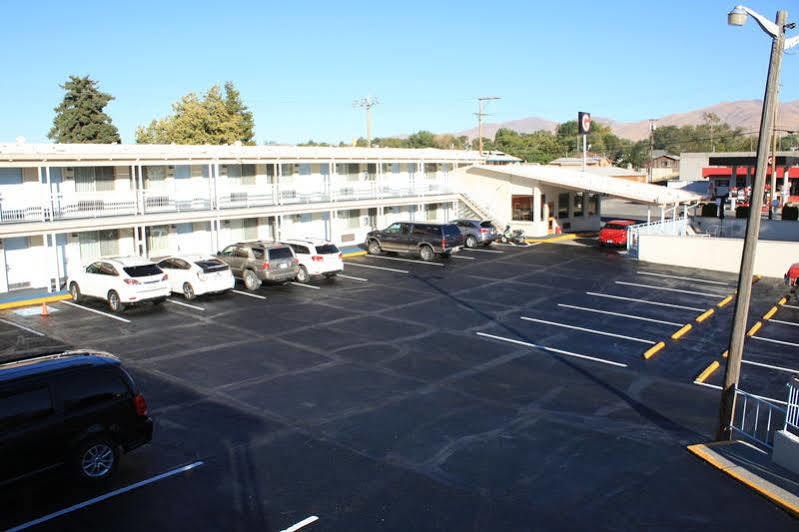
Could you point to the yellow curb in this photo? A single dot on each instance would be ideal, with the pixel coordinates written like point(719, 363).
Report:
point(726, 353)
point(33, 302)
point(770, 313)
point(782, 301)
point(756, 278)
point(649, 353)
point(354, 254)
point(701, 451)
point(705, 315)
point(724, 301)
point(756, 327)
point(684, 329)
point(568, 236)
point(708, 371)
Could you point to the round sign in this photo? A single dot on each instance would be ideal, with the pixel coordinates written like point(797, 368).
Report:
point(586, 125)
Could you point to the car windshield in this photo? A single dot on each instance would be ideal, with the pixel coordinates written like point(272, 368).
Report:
point(144, 270)
point(211, 265)
point(615, 226)
point(280, 253)
point(486, 225)
point(326, 249)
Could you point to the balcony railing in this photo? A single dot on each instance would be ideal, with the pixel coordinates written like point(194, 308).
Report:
point(19, 208)
point(92, 204)
point(174, 201)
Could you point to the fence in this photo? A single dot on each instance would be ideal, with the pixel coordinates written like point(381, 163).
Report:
point(674, 227)
point(757, 419)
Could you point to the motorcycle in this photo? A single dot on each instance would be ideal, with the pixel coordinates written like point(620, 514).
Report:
point(513, 237)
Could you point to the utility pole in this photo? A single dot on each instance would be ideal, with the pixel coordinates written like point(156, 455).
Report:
point(652, 127)
point(732, 372)
point(773, 183)
point(367, 103)
point(480, 114)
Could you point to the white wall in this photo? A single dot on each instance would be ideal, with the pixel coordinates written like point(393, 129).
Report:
point(720, 254)
point(787, 230)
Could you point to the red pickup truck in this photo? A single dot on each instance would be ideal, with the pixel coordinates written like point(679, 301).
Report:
point(791, 278)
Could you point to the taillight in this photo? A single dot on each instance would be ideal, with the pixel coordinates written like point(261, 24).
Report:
point(484, 230)
point(295, 260)
point(264, 265)
point(317, 258)
point(131, 281)
point(140, 405)
point(443, 242)
point(165, 277)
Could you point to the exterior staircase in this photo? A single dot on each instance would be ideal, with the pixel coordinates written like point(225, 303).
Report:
point(471, 209)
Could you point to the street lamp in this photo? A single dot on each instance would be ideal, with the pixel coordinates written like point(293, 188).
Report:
point(738, 17)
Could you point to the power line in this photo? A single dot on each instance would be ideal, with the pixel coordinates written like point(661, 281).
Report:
point(480, 114)
point(367, 103)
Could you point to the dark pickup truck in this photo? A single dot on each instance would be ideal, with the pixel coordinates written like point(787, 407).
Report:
point(425, 239)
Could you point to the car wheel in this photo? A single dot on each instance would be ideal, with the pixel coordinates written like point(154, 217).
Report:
point(74, 290)
point(427, 253)
point(251, 281)
point(114, 303)
point(374, 247)
point(471, 241)
point(188, 291)
point(96, 459)
point(302, 275)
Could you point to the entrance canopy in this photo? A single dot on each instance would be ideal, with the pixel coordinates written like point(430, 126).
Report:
point(576, 179)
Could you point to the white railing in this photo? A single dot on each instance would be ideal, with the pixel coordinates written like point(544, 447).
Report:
point(792, 412)
point(173, 201)
point(674, 227)
point(17, 208)
point(67, 205)
point(756, 419)
point(246, 196)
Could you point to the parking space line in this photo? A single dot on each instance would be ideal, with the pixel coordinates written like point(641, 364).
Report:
point(667, 289)
point(619, 314)
point(248, 294)
point(717, 387)
point(107, 315)
point(462, 257)
point(645, 301)
point(778, 368)
point(693, 279)
point(483, 250)
point(353, 278)
point(295, 283)
point(405, 260)
point(17, 325)
point(297, 526)
point(106, 496)
point(593, 331)
point(784, 322)
point(181, 303)
point(376, 267)
point(790, 306)
point(781, 342)
point(553, 350)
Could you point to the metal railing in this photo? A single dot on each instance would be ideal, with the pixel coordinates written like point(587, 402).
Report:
point(792, 411)
point(92, 204)
point(757, 419)
point(661, 227)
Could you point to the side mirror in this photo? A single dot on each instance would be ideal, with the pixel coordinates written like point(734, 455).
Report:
point(218, 253)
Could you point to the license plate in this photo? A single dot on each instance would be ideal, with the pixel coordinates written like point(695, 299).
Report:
point(608, 241)
point(284, 266)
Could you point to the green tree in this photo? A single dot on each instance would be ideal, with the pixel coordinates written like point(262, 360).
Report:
point(422, 139)
point(80, 118)
point(235, 107)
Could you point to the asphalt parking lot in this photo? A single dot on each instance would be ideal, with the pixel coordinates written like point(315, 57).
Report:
point(499, 389)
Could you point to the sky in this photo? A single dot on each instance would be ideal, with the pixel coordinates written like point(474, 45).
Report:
point(300, 65)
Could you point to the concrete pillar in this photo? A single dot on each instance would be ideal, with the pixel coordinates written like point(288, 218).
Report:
point(57, 262)
point(536, 203)
point(3, 271)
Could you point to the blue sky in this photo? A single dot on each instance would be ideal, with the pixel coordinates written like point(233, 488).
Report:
point(300, 65)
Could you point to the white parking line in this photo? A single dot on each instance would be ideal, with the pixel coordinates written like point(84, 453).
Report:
point(305, 285)
point(107, 315)
point(552, 349)
point(105, 496)
point(593, 331)
point(404, 260)
point(717, 387)
point(182, 304)
point(620, 315)
point(483, 250)
point(778, 368)
point(376, 267)
point(694, 279)
point(782, 322)
point(646, 301)
point(306, 521)
point(781, 342)
point(667, 289)
point(791, 306)
point(462, 257)
point(17, 325)
point(248, 294)
point(353, 278)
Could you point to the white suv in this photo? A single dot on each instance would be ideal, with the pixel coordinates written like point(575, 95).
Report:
point(317, 257)
point(120, 281)
point(195, 275)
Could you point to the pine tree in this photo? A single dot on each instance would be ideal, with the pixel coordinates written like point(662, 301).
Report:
point(235, 108)
point(80, 117)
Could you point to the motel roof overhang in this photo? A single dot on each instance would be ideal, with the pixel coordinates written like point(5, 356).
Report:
point(576, 179)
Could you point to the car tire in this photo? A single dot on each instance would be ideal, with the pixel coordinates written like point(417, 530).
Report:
point(302, 275)
point(188, 291)
point(96, 459)
point(374, 247)
point(251, 281)
point(446, 255)
point(115, 303)
point(426, 253)
point(471, 241)
point(74, 289)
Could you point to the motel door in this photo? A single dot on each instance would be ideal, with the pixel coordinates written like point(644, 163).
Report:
point(18, 264)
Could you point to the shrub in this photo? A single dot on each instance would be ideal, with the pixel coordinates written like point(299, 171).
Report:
point(710, 210)
point(741, 211)
point(790, 212)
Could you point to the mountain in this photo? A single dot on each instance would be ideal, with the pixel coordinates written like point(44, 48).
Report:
point(744, 114)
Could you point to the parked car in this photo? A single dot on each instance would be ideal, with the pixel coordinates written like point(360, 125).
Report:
point(476, 232)
point(317, 257)
point(426, 239)
point(614, 233)
point(77, 409)
point(121, 281)
point(792, 278)
point(195, 275)
point(258, 261)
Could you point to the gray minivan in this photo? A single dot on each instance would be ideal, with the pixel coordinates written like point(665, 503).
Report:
point(258, 261)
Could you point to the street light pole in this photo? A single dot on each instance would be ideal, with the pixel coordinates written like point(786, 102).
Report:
point(733, 370)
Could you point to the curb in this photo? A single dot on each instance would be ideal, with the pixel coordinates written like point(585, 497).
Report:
point(649, 353)
point(724, 301)
point(682, 331)
point(34, 299)
point(756, 327)
point(707, 372)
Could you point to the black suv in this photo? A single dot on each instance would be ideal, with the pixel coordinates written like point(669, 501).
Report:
point(426, 239)
point(72, 408)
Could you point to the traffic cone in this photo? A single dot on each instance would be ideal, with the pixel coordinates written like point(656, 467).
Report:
point(45, 312)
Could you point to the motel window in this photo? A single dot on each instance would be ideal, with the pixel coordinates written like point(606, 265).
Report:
point(593, 204)
point(578, 203)
point(154, 177)
point(304, 169)
point(95, 244)
point(563, 205)
point(288, 169)
point(157, 239)
point(247, 174)
point(522, 208)
point(91, 179)
point(430, 169)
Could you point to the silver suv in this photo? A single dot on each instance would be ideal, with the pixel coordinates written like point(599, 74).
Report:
point(258, 261)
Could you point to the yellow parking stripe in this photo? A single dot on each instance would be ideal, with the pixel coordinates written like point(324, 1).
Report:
point(649, 353)
point(770, 313)
point(705, 315)
point(708, 371)
point(783, 300)
point(354, 254)
point(756, 327)
point(724, 301)
point(33, 302)
point(682, 331)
